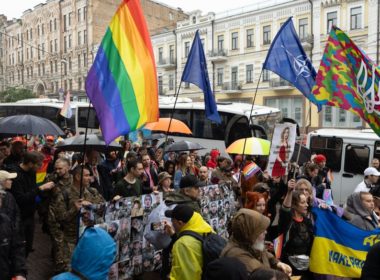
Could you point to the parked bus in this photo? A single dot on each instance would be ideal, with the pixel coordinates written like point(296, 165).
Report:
point(235, 121)
point(348, 152)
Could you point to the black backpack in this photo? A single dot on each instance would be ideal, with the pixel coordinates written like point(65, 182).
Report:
point(212, 245)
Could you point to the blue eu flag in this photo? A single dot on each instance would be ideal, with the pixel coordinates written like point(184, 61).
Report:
point(287, 58)
point(195, 72)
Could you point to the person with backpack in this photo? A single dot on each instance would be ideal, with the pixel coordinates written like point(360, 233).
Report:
point(187, 252)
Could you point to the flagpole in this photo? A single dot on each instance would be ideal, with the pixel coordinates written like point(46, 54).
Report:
point(172, 114)
point(84, 151)
point(250, 114)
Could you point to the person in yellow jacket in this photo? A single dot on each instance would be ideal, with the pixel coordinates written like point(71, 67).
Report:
point(187, 258)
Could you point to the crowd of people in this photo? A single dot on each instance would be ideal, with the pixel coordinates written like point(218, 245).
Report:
point(269, 206)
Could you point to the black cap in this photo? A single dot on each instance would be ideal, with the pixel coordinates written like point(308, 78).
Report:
point(190, 181)
point(181, 213)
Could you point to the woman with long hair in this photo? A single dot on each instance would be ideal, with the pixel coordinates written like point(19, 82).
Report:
point(279, 167)
point(257, 201)
point(183, 168)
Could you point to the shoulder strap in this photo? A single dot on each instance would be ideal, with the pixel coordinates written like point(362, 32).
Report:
point(191, 233)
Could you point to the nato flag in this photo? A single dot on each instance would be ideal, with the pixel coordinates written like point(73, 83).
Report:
point(287, 58)
point(195, 72)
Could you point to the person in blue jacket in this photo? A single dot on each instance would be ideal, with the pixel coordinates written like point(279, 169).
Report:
point(92, 258)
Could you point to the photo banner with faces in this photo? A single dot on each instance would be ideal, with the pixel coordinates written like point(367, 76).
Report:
point(137, 226)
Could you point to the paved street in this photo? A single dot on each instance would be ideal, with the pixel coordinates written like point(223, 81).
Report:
point(40, 266)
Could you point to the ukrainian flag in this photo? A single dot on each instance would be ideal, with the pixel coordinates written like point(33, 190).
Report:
point(339, 247)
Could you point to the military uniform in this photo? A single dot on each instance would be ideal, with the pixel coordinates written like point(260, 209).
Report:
point(55, 228)
point(63, 210)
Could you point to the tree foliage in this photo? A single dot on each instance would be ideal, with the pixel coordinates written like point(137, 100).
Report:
point(14, 94)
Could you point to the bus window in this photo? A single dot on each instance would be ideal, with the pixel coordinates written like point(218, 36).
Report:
point(3, 112)
point(35, 110)
point(21, 110)
point(376, 152)
point(204, 128)
point(183, 116)
point(50, 113)
point(237, 128)
point(331, 147)
point(357, 159)
point(93, 121)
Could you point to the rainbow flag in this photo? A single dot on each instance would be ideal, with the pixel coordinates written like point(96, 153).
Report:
point(250, 170)
point(277, 246)
point(122, 82)
point(41, 172)
point(348, 79)
point(66, 109)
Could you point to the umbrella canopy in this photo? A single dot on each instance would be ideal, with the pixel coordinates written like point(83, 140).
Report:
point(94, 142)
point(155, 136)
point(28, 124)
point(183, 146)
point(162, 125)
point(253, 146)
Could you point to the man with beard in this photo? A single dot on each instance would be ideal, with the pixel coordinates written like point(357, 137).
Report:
point(247, 239)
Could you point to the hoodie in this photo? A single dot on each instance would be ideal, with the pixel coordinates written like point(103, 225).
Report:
point(246, 227)
point(93, 256)
point(212, 162)
point(358, 215)
point(187, 251)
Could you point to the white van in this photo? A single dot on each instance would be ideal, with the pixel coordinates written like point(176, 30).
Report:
point(348, 153)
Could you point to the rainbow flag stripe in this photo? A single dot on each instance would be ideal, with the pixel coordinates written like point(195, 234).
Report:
point(250, 170)
point(122, 82)
point(66, 109)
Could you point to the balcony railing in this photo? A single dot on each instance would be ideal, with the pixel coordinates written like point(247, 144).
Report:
point(166, 62)
point(218, 55)
point(232, 87)
point(275, 83)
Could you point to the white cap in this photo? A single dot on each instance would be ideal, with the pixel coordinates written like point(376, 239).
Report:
point(371, 171)
point(4, 175)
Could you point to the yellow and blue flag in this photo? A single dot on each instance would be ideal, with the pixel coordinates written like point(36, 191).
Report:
point(339, 248)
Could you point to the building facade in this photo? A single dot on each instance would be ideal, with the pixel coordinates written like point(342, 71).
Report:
point(236, 44)
point(53, 45)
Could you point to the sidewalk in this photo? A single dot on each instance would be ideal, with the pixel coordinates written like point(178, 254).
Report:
point(39, 263)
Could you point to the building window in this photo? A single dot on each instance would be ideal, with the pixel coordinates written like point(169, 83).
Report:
point(43, 50)
point(84, 59)
point(187, 48)
point(234, 77)
point(70, 41)
point(56, 45)
point(55, 24)
point(249, 73)
point(38, 30)
point(56, 66)
point(84, 36)
point(265, 75)
point(43, 68)
point(356, 18)
point(56, 86)
point(234, 40)
point(51, 46)
point(79, 61)
point(336, 117)
point(220, 43)
point(219, 78)
point(51, 67)
point(84, 13)
point(171, 82)
point(290, 107)
point(79, 82)
point(70, 16)
point(43, 29)
point(52, 86)
point(64, 43)
point(332, 19)
point(79, 15)
point(266, 35)
point(64, 23)
point(187, 85)
point(70, 64)
point(160, 55)
point(79, 38)
point(171, 54)
point(160, 86)
point(50, 25)
point(302, 28)
point(39, 70)
point(70, 84)
point(250, 38)
point(39, 51)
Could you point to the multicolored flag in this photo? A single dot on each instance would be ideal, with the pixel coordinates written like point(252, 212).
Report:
point(348, 79)
point(195, 72)
point(122, 82)
point(250, 170)
point(278, 243)
point(287, 58)
point(66, 109)
point(339, 248)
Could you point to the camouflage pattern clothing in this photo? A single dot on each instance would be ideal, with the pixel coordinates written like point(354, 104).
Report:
point(63, 210)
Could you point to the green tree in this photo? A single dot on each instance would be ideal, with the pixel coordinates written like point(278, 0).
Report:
point(14, 94)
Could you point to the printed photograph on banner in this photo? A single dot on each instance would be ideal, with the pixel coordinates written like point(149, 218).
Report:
point(124, 270)
point(113, 273)
point(157, 260)
point(282, 147)
point(139, 135)
point(137, 228)
point(137, 209)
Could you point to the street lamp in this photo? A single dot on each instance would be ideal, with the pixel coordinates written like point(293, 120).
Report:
point(60, 92)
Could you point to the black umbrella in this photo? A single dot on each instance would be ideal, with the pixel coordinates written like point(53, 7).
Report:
point(183, 146)
point(155, 136)
point(28, 124)
point(304, 155)
point(93, 142)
